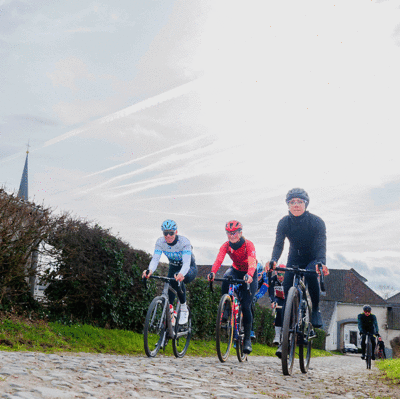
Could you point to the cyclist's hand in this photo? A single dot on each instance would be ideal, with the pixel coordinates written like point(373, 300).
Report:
point(324, 270)
point(179, 277)
point(270, 265)
point(146, 273)
point(211, 276)
point(248, 278)
point(273, 305)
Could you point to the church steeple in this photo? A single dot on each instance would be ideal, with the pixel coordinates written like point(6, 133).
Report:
point(23, 187)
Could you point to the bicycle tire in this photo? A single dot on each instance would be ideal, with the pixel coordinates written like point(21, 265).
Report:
point(224, 330)
point(154, 330)
point(183, 333)
point(240, 340)
point(305, 342)
point(289, 333)
point(368, 357)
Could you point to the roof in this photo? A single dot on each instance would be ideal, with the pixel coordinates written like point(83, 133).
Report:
point(23, 187)
point(394, 298)
point(349, 286)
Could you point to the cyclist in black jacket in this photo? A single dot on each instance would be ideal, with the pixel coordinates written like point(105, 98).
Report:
point(367, 323)
point(307, 237)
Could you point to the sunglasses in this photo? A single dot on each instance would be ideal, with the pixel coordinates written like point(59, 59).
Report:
point(281, 274)
point(232, 233)
point(166, 233)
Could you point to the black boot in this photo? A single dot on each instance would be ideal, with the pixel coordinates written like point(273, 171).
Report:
point(247, 340)
point(316, 318)
point(279, 351)
point(247, 346)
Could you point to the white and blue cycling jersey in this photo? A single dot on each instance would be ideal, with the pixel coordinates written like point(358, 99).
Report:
point(178, 254)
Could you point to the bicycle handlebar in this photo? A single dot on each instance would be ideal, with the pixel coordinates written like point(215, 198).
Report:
point(169, 279)
point(231, 281)
point(297, 270)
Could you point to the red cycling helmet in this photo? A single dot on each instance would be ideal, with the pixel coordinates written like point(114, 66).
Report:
point(282, 265)
point(233, 225)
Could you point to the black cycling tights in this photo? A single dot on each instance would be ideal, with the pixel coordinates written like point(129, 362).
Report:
point(189, 277)
point(246, 298)
point(312, 283)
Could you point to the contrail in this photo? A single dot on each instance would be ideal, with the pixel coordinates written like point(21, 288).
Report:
point(148, 155)
point(150, 102)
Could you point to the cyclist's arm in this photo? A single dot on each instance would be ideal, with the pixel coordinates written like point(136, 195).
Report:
point(320, 242)
point(156, 257)
point(376, 328)
point(360, 326)
point(279, 241)
point(251, 259)
point(186, 258)
point(220, 258)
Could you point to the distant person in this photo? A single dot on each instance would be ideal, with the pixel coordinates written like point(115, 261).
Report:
point(307, 237)
point(381, 347)
point(367, 323)
point(182, 263)
point(243, 255)
point(277, 298)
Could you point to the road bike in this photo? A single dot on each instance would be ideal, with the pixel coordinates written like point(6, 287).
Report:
point(160, 326)
point(297, 328)
point(229, 326)
point(368, 349)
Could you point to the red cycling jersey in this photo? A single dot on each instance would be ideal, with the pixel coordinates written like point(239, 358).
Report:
point(244, 258)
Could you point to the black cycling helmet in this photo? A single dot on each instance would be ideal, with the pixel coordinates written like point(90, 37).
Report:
point(366, 308)
point(297, 193)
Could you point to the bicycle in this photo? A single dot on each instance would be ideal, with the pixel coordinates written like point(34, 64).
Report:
point(297, 327)
point(368, 350)
point(159, 327)
point(229, 326)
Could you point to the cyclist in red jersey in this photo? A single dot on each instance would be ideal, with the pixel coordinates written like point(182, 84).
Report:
point(243, 255)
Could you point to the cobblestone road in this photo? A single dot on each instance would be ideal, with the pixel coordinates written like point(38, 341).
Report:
point(37, 376)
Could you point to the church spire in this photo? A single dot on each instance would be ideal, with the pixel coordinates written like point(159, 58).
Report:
point(23, 187)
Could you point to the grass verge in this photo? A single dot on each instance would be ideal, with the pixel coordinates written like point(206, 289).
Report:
point(38, 336)
point(390, 369)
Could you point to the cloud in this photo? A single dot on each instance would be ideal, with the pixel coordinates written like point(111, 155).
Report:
point(68, 71)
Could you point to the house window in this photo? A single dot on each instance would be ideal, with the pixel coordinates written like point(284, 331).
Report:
point(353, 337)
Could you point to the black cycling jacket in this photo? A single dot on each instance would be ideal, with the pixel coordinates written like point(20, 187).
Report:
point(307, 237)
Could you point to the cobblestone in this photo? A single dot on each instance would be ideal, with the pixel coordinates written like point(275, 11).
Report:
point(41, 376)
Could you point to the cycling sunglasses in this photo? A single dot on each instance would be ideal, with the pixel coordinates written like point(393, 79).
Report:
point(166, 233)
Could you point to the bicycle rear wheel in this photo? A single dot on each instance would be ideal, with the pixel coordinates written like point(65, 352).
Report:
point(240, 339)
point(306, 341)
point(224, 328)
point(289, 334)
point(155, 326)
point(368, 357)
point(183, 333)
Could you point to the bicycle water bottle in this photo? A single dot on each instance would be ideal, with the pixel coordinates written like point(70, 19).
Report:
point(173, 315)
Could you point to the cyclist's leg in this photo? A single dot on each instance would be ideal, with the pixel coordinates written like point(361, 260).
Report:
point(278, 321)
point(189, 277)
point(363, 346)
point(173, 269)
point(246, 301)
point(313, 289)
point(373, 342)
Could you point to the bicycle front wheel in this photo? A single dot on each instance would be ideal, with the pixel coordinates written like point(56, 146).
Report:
point(306, 341)
point(155, 326)
point(240, 339)
point(289, 334)
point(183, 333)
point(224, 328)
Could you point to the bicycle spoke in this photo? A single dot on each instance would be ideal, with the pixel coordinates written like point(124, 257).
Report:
point(183, 334)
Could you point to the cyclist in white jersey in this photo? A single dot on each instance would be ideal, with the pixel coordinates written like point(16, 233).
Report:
point(182, 263)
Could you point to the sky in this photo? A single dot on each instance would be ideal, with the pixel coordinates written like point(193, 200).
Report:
point(207, 111)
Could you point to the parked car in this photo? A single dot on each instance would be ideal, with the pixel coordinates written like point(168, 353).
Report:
point(350, 348)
